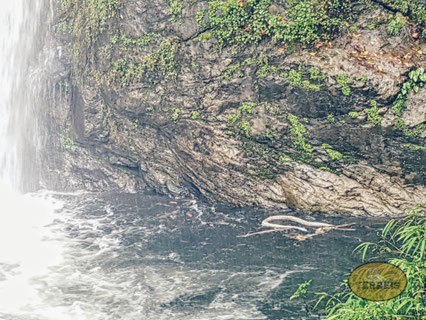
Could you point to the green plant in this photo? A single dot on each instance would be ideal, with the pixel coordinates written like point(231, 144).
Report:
point(333, 154)
point(62, 27)
point(418, 130)
point(331, 118)
point(396, 23)
point(301, 290)
point(415, 9)
point(205, 36)
point(298, 79)
point(200, 17)
point(246, 127)
point(175, 113)
point(402, 243)
point(269, 134)
point(245, 110)
point(416, 79)
point(195, 114)
point(343, 82)
point(64, 4)
point(160, 62)
point(176, 7)
point(264, 69)
point(371, 26)
point(315, 74)
point(414, 147)
point(417, 210)
point(298, 131)
point(353, 114)
point(364, 78)
point(285, 158)
point(372, 113)
point(67, 143)
point(249, 21)
point(140, 42)
point(232, 69)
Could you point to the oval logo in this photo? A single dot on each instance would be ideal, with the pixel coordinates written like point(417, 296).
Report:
point(377, 281)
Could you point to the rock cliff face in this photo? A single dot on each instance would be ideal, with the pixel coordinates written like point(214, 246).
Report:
point(146, 97)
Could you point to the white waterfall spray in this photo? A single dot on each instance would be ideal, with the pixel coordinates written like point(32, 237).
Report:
point(24, 253)
point(11, 19)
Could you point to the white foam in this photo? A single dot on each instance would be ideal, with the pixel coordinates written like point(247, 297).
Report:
point(27, 247)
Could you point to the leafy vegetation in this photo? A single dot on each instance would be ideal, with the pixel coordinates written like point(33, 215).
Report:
point(205, 36)
point(331, 118)
point(175, 114)
point(353, 114)
point(235, 21)
point(176, 7)
point(301, 290)
point(416, 79)
point(200, 17)
point(195, 114)
point(62, 26)
point(333, 154)
point(411, 133)
point(244, 111)
point(402, 243)
point(264, 69)
point(298, 131)
point(396, 23)
point(343, 82)
point(415, 147)
point(86, 19)
point(415, 9)
point(143, 41)
point(233, 69)
point(311, 80)
point(160, 62)
point(67, 143)
point(372, 113)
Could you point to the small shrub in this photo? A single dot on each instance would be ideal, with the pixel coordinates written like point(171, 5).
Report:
point(175, 113)
point(372, 113)
point(62, 27)
point(298, 131)
point(333, 154)
point(200, 17)
point(416, 79)
point(195, 115)
point(203, 37)
point(67, 143)
point(403, 243)
point(396, 23)
point(285, 158)
point(235, 21)
point(343, 82)
point(246, 127)
point(176, 7)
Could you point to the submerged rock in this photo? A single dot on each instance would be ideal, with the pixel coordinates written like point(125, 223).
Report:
point(150, 102)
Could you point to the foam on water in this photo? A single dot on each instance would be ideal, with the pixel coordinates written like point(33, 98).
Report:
point(27, 247)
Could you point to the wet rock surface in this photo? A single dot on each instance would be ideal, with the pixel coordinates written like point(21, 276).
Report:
point(217, 124)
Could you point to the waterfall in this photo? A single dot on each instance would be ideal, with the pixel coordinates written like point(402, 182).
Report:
point(11, 18)
point(24, 252)
point(20, 91)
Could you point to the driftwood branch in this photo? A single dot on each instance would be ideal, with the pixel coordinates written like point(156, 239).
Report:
point(321, 227)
